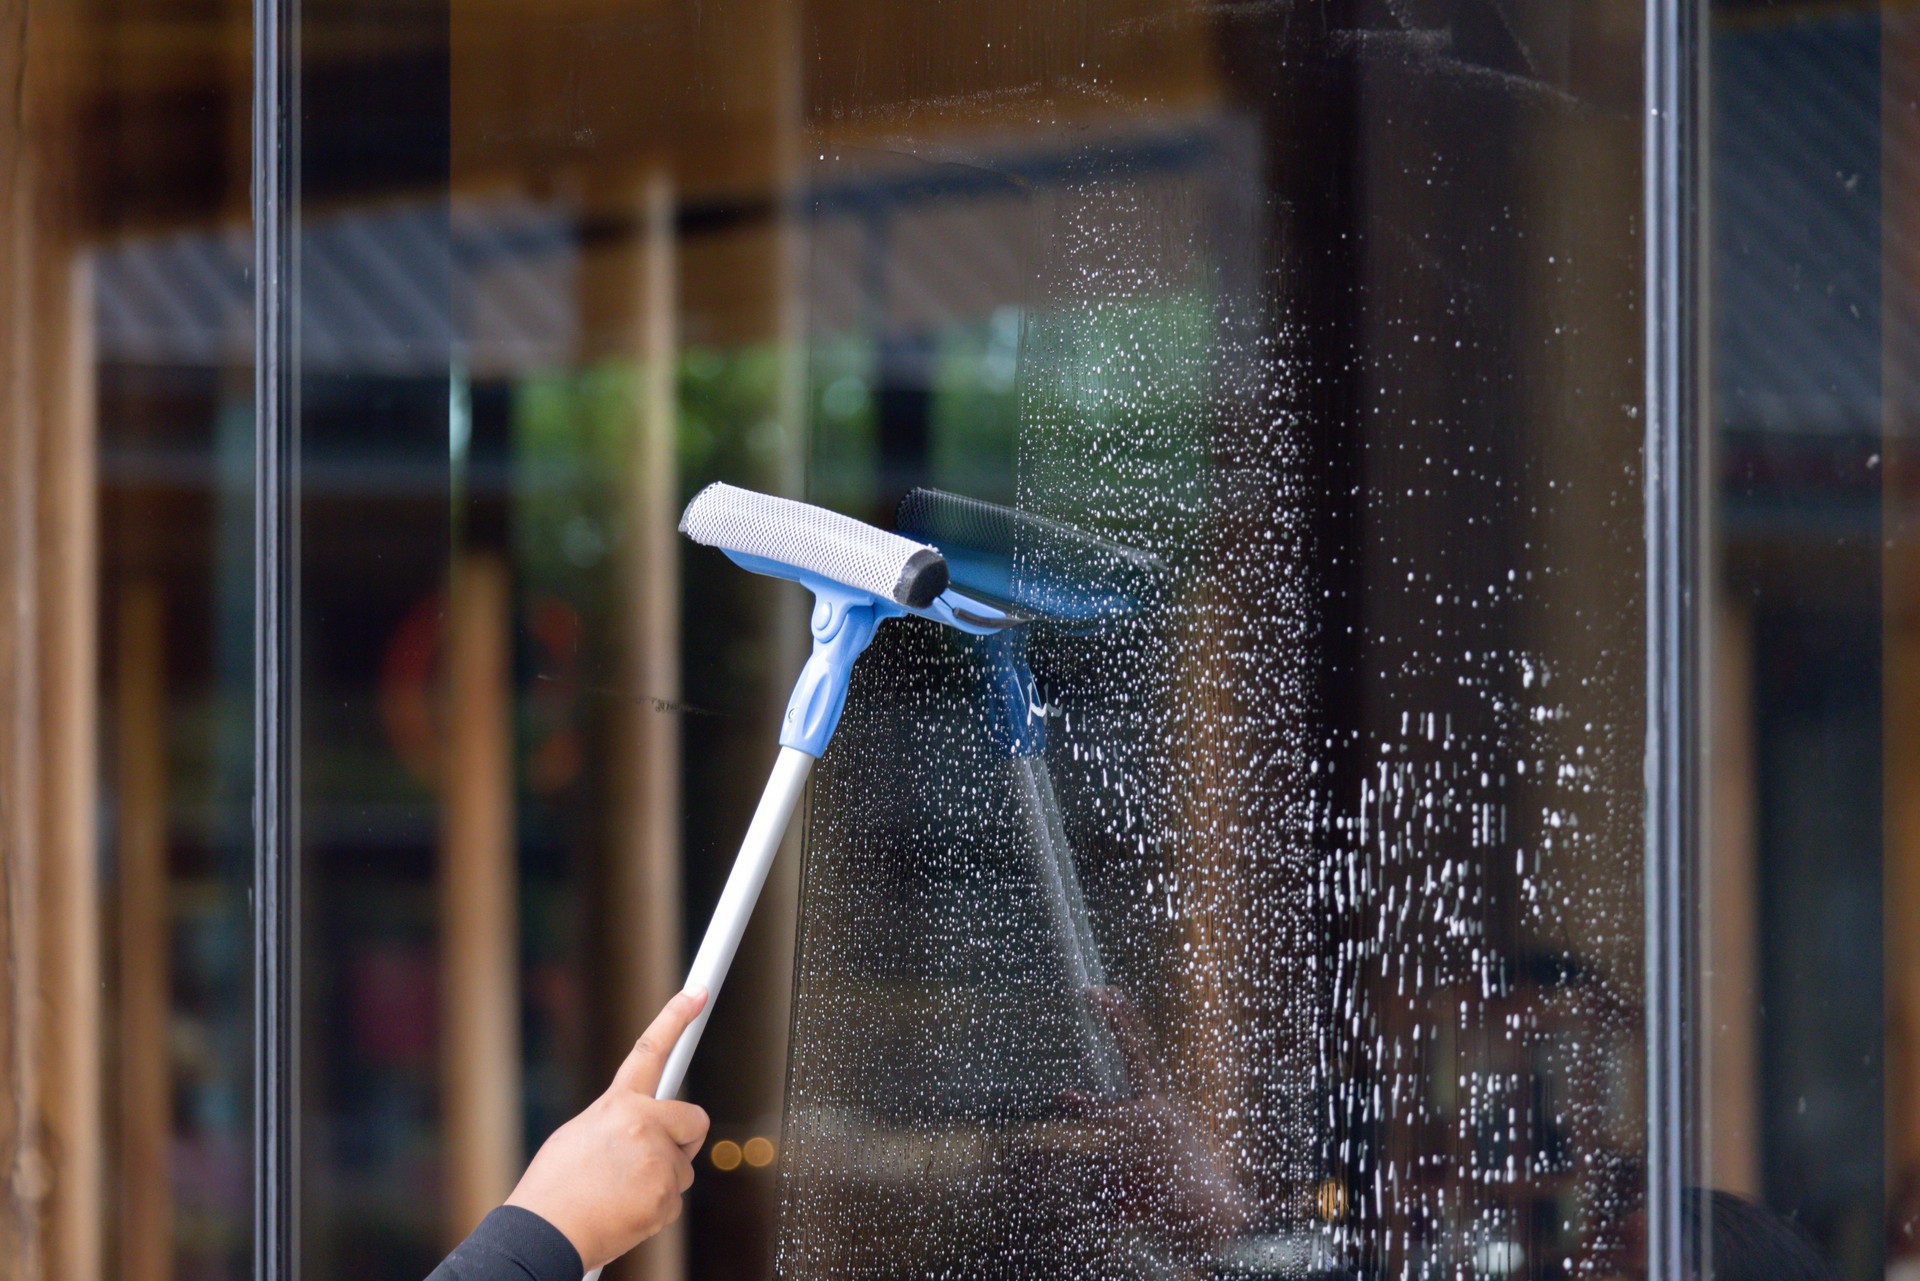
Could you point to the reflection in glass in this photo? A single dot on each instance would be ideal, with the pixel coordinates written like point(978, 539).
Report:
point(1814, 1061)
point(1353, 802)
point(125, 646)
point(1334, 321)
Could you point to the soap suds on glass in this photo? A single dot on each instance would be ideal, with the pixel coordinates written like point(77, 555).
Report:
point(1350, 803)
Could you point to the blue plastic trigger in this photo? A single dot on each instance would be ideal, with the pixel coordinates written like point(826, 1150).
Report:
point(843, 624)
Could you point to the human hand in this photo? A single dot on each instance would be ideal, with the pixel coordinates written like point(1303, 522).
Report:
point(612, 1176)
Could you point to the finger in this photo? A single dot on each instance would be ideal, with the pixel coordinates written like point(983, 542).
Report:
point(686, 1122)
point(683, 1171)
point(641, 1070)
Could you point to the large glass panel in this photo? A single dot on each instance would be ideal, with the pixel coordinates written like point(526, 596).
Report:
point(125, 643)
point(1311, 939)
point(1308, 349)
point(1814, 1059)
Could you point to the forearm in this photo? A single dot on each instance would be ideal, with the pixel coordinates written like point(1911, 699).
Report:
point(512, 1244)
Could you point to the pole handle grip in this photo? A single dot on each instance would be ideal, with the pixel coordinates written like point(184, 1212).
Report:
point(750, 867)
point(730, 915)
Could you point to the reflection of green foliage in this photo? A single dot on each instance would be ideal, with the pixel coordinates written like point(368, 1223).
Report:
point(1144, 363)
point(976, 407)
point(573, 438)
point(575, 432)
point(729, 409)
point(974, 414)
point(1117, 401)
point(843, 444)
point(1143, 418)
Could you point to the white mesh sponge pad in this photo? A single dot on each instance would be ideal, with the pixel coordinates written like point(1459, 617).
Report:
point(835, 546)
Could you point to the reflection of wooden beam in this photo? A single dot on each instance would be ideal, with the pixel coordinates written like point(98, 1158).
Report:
point(1730, 987)
point(1900, 587)
point(646, 870)
point(770, 958)
point(479, 909)
point(50, 1003)
point(69, 630)
point(145, 930)
point(1901, 840)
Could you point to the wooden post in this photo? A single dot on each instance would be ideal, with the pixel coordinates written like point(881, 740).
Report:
point(70, 905)
point(646, 868)
point(22, 1133)
point(480, 960)
point(52, 1220)
point(145, 932)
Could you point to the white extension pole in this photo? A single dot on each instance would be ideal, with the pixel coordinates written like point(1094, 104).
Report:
point(731, 913)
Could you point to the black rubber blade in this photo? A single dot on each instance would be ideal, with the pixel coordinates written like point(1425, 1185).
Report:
point(922, 578)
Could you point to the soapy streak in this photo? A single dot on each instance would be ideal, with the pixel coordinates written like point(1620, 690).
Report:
point(658, 704)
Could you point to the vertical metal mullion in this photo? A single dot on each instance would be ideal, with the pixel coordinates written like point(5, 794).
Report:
point(276, 634)
point(1675, 556)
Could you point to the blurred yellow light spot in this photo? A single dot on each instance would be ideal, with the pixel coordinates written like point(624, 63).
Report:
point(758, 1151)
point(725, 1155)
point(1331, 1200)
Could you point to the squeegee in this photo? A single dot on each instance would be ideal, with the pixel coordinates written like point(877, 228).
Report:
point(860, 577)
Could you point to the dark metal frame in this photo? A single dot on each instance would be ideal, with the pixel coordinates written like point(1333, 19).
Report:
point(276, 914)
point(1676, 530)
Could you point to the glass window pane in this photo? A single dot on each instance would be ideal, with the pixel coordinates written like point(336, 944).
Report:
point(1312, 938)
point(1810, 883)
point(1309, 355)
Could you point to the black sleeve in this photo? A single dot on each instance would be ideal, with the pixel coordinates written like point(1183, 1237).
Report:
point(512, 1244)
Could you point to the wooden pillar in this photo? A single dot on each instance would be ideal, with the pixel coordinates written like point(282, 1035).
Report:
point(145, 929)
point(479, 907)
point(51, 1207)
point(50, 1122)
point(646, 867)
point(22, 1134)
